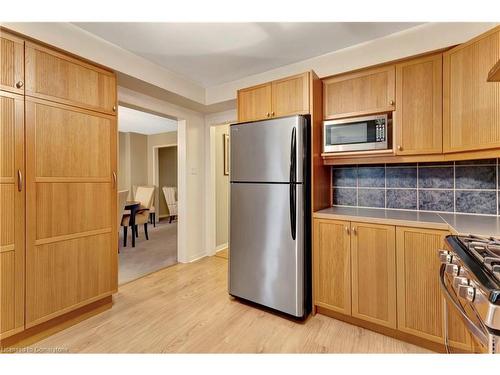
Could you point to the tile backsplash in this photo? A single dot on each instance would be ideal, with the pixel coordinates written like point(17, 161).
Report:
point(463, 186)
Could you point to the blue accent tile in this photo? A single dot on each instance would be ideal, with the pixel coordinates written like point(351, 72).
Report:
point(371, 177)
point(476, 202)
point(402, 198)
point(371, 197)
point(401, 177)
point(435, 177)
point(435, 200)
point(346, 177)
point(476, 162)
point(345, 197)
point(475, 177)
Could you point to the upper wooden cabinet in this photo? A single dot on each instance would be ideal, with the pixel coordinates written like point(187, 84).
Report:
point(12, 196)
point(419, 97)
point(365, 92)
point(471, 106)
point(373, 257)
point(254, 103)
point(332, 265)
point(283, 97)
point(12, 63)
point(58, 77)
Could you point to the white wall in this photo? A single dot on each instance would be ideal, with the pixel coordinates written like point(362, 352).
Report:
point(191, 183)
point(221, 188)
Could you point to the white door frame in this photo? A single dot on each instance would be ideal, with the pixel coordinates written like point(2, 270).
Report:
point(156, 176)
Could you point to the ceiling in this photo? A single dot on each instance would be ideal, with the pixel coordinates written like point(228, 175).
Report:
point(216, 53)
point(134, 121)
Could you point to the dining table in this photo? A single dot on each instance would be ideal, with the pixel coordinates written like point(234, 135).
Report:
point(133, 207)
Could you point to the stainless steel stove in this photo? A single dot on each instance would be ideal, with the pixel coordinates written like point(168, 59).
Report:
point(470, 281)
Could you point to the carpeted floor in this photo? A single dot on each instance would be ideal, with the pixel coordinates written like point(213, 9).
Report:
point(148, 256)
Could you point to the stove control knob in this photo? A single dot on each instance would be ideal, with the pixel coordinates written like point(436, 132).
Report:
point(452, 269)
point(457, 281)
point(467, 292)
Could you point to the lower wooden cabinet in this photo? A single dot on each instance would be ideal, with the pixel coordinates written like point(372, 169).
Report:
point(385, 275)
point(332, 265)
point(373, 273)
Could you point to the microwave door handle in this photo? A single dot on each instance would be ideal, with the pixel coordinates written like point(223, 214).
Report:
point(474, 329)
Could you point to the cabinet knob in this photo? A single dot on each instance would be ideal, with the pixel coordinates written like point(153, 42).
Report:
point(19, 84)
point(268, 114)
point(391, 102)
point(400, 148)
point(114, 108)
point(354, 230)
point(347, 230)
point(272, 113)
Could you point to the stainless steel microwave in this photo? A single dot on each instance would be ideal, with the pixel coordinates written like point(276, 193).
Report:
point(357, 134)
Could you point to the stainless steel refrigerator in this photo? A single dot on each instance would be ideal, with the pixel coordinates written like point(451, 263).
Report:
point(269, 240)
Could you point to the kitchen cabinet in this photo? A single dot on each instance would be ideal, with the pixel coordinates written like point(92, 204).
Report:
point(360, 93)
point(332, 265)
point(12, 230)
point(12, 63)
point(373, 257)
point(290, 96)
point(254, 103)
point(420, 302)
point(418, 118)
point(71, 238)
point(55, 76)
point(283, 97)
point(471, 105)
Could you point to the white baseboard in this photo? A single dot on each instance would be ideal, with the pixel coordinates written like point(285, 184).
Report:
point(224, 246)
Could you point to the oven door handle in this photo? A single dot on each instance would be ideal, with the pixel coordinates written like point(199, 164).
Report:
point(474, 329)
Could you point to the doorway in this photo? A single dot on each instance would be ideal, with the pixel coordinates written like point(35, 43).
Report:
point(147, 141)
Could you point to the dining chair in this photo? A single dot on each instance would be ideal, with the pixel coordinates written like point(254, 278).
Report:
point(122, 198)
point(169, 192)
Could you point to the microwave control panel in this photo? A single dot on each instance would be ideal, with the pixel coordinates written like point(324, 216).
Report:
point(380, 131)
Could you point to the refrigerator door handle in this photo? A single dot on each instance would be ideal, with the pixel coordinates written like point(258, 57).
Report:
point(293, 179)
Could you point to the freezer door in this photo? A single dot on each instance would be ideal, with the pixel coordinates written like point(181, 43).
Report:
point(261, 151)
point(266, 263)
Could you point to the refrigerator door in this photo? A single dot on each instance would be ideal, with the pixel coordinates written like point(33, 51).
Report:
point(266, 264)
point(261, 151)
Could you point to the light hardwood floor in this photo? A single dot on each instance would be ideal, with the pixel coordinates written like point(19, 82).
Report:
point(185, 308)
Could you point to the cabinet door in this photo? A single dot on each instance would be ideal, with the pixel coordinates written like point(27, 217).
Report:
point(373, 256)
point(418, 119)
point(332, 265)
point(254, 103)
point(11, 63)
point(58, 77)
point(471, 105)
point(369, 91)
point(290, 96)
point(71, 255)
point(11, 214)
point(420, 302)
point(458, 334)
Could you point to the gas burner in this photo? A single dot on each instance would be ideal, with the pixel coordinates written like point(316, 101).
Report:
point(486, 250)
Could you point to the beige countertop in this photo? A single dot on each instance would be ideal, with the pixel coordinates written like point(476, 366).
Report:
point(457, 223)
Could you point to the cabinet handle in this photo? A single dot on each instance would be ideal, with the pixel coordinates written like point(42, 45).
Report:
point(400, 148)
point(19, 180)
point(391, 102)
point(354, 231)
point(272, 114)
point(114, 179)
point(267, 114)
point(114, 108)
point(19, 84)
point(347, 230)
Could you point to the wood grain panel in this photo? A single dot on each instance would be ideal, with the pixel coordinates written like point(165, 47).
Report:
point(70, 142)
point(58, 77)
point(458, 335)
point(290, 96)
point(419, 94)
point(11, 62)
point(332, 265)
point(61, 276)
point(420, 302)
point(471, 106)
point(254, 103)
point(373, 257)
point(12, 214)
point(369, 91)
point(67, 208)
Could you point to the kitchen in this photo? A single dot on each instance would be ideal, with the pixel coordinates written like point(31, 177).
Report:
point(364, 199)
